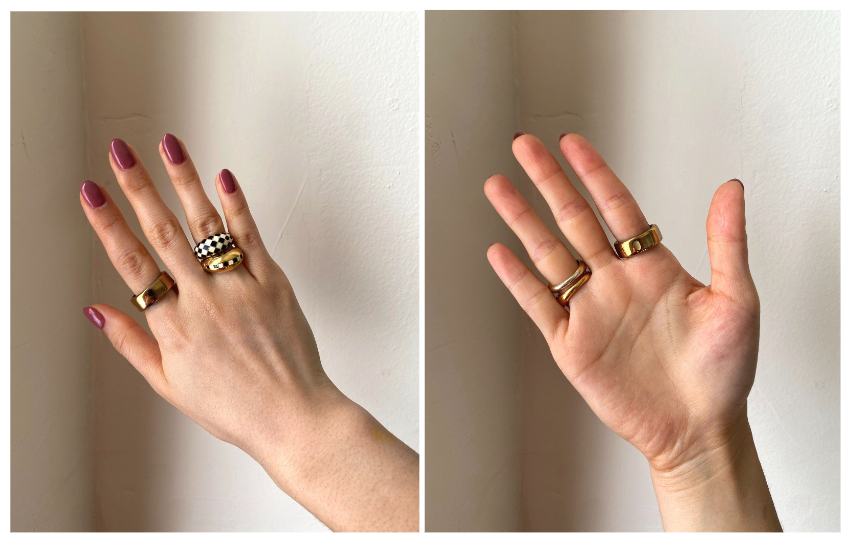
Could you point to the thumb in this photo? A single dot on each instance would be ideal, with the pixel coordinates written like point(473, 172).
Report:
point(130, 339)
point(727, 242)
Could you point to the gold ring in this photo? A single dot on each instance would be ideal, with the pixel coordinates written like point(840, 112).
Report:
point(224, 262)
point(569, 291)
point(153, 292)
point(581, 267)
point(638, 244)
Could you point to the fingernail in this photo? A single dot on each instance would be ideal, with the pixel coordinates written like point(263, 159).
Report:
point(738, 180)
point(563, 135)
point(173, 149)
point(227, 181)
point(518, 134)
point(92, 194)
point(94, 316)
point(492, 244)
point(121, 153)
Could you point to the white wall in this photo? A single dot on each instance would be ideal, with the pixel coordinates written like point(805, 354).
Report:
point(317, 114)
point(473, 343)
point(679, 102)
point(51, 279)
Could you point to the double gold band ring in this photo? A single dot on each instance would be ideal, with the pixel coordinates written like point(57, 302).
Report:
point(565, 290)
point(153, 292)
point(639, 244)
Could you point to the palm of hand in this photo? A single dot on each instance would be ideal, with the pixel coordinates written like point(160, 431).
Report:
point(658, 356)
point(664, 361)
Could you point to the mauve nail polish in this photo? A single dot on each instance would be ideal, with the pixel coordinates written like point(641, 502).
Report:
point(121, 153)
point(738, 180)
point(563, 135)
point(173, 149)
point(94, 316)
point(518, 134)
point(227, 181)
point(92, 194)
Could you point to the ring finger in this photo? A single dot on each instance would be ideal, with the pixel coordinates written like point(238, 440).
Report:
point(546, 250)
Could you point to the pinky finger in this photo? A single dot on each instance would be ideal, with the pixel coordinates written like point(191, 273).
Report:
point(134, 344)
point(532, 295)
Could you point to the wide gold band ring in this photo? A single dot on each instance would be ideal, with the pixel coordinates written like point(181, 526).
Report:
point(224, 262)
point(153, 293)
point(638, 244)
point(581, 267)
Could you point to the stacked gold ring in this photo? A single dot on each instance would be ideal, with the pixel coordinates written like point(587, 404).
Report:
point(565, 290)
point(218, 254)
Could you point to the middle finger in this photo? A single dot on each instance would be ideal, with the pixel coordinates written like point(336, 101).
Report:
point(159, 224)
point(202, 217)
point(571, 211)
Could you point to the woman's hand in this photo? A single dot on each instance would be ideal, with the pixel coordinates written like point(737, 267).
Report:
point(234, 352)
point(664, 361)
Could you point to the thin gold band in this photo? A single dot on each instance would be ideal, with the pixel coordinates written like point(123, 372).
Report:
point(153, 292)
point(581, 267)
point(638, 244)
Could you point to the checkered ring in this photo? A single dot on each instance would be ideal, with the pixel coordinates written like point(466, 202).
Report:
point(214, 245)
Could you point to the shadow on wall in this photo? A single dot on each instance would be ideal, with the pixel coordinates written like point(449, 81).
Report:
point(576, 474)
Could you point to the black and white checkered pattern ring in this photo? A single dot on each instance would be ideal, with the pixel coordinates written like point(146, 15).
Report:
point(214, 245)
point(225, 264)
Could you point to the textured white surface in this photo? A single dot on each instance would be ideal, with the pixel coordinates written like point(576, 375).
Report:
point(677, 102)
point(50, 340)
point(317, 115)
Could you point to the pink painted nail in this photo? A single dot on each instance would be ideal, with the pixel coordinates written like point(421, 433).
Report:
point(92, 194)
point(94, 316)
point(173, 149)
point(121, 153)
point(227, 181)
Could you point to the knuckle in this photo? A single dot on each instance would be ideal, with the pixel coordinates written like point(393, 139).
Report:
point(250, 237)
point(134, 183)
point(187, 179)
point(164, 234)
point(207, 224)
point(107, 225)
point(131, 263)
point(121, 343)
point(618, 200)
point(544, 248)
point(571, 209)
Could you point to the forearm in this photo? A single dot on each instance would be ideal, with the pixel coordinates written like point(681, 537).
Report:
point(724, 490)
point(348, 471)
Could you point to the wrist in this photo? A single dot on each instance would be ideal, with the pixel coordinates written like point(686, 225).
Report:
point(722, 487)
point(347, 469)
point(713, 457)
